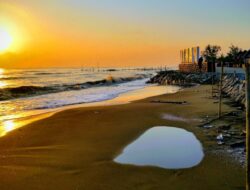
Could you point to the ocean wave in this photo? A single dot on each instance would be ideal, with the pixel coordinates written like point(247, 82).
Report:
point(22, 91)
point(14, 78)
point(47, 73)
point(27, 91)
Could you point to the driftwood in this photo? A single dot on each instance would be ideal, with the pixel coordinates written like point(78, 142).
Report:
point(168, 102)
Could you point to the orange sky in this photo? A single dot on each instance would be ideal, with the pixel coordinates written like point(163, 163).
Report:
point(112, 33)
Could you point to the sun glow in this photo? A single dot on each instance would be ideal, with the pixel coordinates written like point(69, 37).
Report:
point(5, 40)
point(9, 126)
point(6, 127)
point(1, 71)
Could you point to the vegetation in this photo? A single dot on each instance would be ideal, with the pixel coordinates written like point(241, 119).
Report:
point(211, 53)
point(233, 53)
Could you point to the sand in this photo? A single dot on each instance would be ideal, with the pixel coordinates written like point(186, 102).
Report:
point(74, 149)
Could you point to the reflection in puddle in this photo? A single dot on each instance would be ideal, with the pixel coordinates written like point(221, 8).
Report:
point(165, 147)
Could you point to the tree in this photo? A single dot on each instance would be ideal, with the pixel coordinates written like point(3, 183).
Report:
point(233, 53)
point(211, 53)
point(221, 58)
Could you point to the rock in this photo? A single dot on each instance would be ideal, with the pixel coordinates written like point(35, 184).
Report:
point(230, 151)
point(182, 79)
point(220, 142)
point(243, 133)
point(224, 127)
point(208, 126)
point(220, 137)
point(233, 86)
point(237, 144)
point(227, 136)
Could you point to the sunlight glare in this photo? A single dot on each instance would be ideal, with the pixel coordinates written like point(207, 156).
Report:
point(8, 126)
point(1, 71)
point(5, 40)
point(2, 84)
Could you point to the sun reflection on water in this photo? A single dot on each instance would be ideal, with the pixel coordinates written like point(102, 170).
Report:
point(13, 124)
point(1, 71)
point(7, 126)
point(2, 84)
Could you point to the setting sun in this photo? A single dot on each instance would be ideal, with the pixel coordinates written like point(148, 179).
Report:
point(5, 40)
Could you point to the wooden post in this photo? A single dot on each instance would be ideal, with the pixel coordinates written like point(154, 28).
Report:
point(221, 79)
point(212, 80)
point(247, 64)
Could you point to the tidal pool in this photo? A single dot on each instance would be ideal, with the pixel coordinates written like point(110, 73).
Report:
point(165, 147)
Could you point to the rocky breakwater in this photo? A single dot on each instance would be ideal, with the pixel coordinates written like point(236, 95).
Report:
point(234, 87)
point(182, 79)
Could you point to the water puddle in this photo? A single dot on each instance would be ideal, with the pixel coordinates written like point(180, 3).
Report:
point(165, 147)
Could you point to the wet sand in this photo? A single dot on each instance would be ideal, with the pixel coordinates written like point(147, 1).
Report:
point(74, 149)
point(125, 98)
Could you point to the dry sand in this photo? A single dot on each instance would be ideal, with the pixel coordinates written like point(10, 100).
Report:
point(74, 149)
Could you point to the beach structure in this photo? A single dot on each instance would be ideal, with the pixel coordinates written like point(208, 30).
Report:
point(237, 66)
point(189, 59)
point(190, 55)
point(189, 62)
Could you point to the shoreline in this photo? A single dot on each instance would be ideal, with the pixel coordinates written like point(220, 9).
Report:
point(75, 148)
point(124, 98)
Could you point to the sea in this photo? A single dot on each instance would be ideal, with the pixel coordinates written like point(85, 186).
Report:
point(25, 91)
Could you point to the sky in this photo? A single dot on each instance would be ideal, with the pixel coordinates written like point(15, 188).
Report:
point(117, 33)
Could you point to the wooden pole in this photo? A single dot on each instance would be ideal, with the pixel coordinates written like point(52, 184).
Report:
point(212, 80)
point(247, 64)
point(221, 79)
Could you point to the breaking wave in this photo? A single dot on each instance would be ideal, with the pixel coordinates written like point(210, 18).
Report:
point(26, 91)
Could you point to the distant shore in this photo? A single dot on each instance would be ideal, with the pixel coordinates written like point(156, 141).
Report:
point(75, 148)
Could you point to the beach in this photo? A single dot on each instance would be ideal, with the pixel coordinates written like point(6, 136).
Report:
point(75, 148)
point(124, 95)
